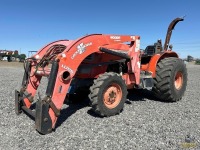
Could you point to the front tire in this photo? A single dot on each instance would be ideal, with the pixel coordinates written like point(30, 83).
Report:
point(108, 94)
point(171, 79)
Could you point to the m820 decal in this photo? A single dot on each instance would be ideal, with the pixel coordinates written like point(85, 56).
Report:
point(67, 68)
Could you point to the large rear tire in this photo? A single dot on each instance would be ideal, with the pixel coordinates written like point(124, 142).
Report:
point(171, 79)
point(108, 94)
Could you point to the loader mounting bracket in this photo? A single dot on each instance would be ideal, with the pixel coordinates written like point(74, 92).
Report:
point(18, 104)
point(52, 105)
point(43, 123)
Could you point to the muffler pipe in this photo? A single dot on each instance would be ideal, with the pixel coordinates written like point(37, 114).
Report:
point(169, 31)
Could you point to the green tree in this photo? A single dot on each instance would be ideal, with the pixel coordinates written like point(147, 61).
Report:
point(15, 55)
point(22, 57)
point(197, 62)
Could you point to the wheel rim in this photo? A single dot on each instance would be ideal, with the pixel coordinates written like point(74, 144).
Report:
point(178, 80)
point(112, 96)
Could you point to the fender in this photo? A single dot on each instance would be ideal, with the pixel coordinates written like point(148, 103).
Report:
point(158, 57)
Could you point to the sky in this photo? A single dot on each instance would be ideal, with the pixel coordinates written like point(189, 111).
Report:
point(28, 25)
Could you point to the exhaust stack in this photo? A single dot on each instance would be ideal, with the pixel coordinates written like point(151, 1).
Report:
point(169, 31)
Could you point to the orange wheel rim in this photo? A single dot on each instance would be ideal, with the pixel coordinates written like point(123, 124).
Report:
point(112, 96)
point(178, 80)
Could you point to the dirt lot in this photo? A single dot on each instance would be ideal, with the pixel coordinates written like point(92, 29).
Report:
point(144, 123)
point(11, 64)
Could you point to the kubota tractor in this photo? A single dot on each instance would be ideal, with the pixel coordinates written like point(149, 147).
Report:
point(106, 65)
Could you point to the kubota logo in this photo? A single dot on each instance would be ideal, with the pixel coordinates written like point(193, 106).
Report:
point(81, 49)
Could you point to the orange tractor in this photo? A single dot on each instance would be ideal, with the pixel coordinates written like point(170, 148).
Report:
point(106, 65)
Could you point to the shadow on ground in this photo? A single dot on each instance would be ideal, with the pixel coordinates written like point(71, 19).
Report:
point(73, 106)
point(139, 95)
point(78, 102)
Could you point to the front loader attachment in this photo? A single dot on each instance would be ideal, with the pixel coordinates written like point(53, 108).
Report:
point(59, 62)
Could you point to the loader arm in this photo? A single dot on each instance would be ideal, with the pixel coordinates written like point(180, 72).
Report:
point(65, 57)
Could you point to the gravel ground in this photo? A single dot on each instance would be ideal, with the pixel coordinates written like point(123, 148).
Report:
point(144, 123)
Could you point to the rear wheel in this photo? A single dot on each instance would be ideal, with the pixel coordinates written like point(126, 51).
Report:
point(171, 79)
point(108, 94)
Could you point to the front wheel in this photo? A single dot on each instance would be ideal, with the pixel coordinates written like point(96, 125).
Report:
point(171, 79)
point(108, 94)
